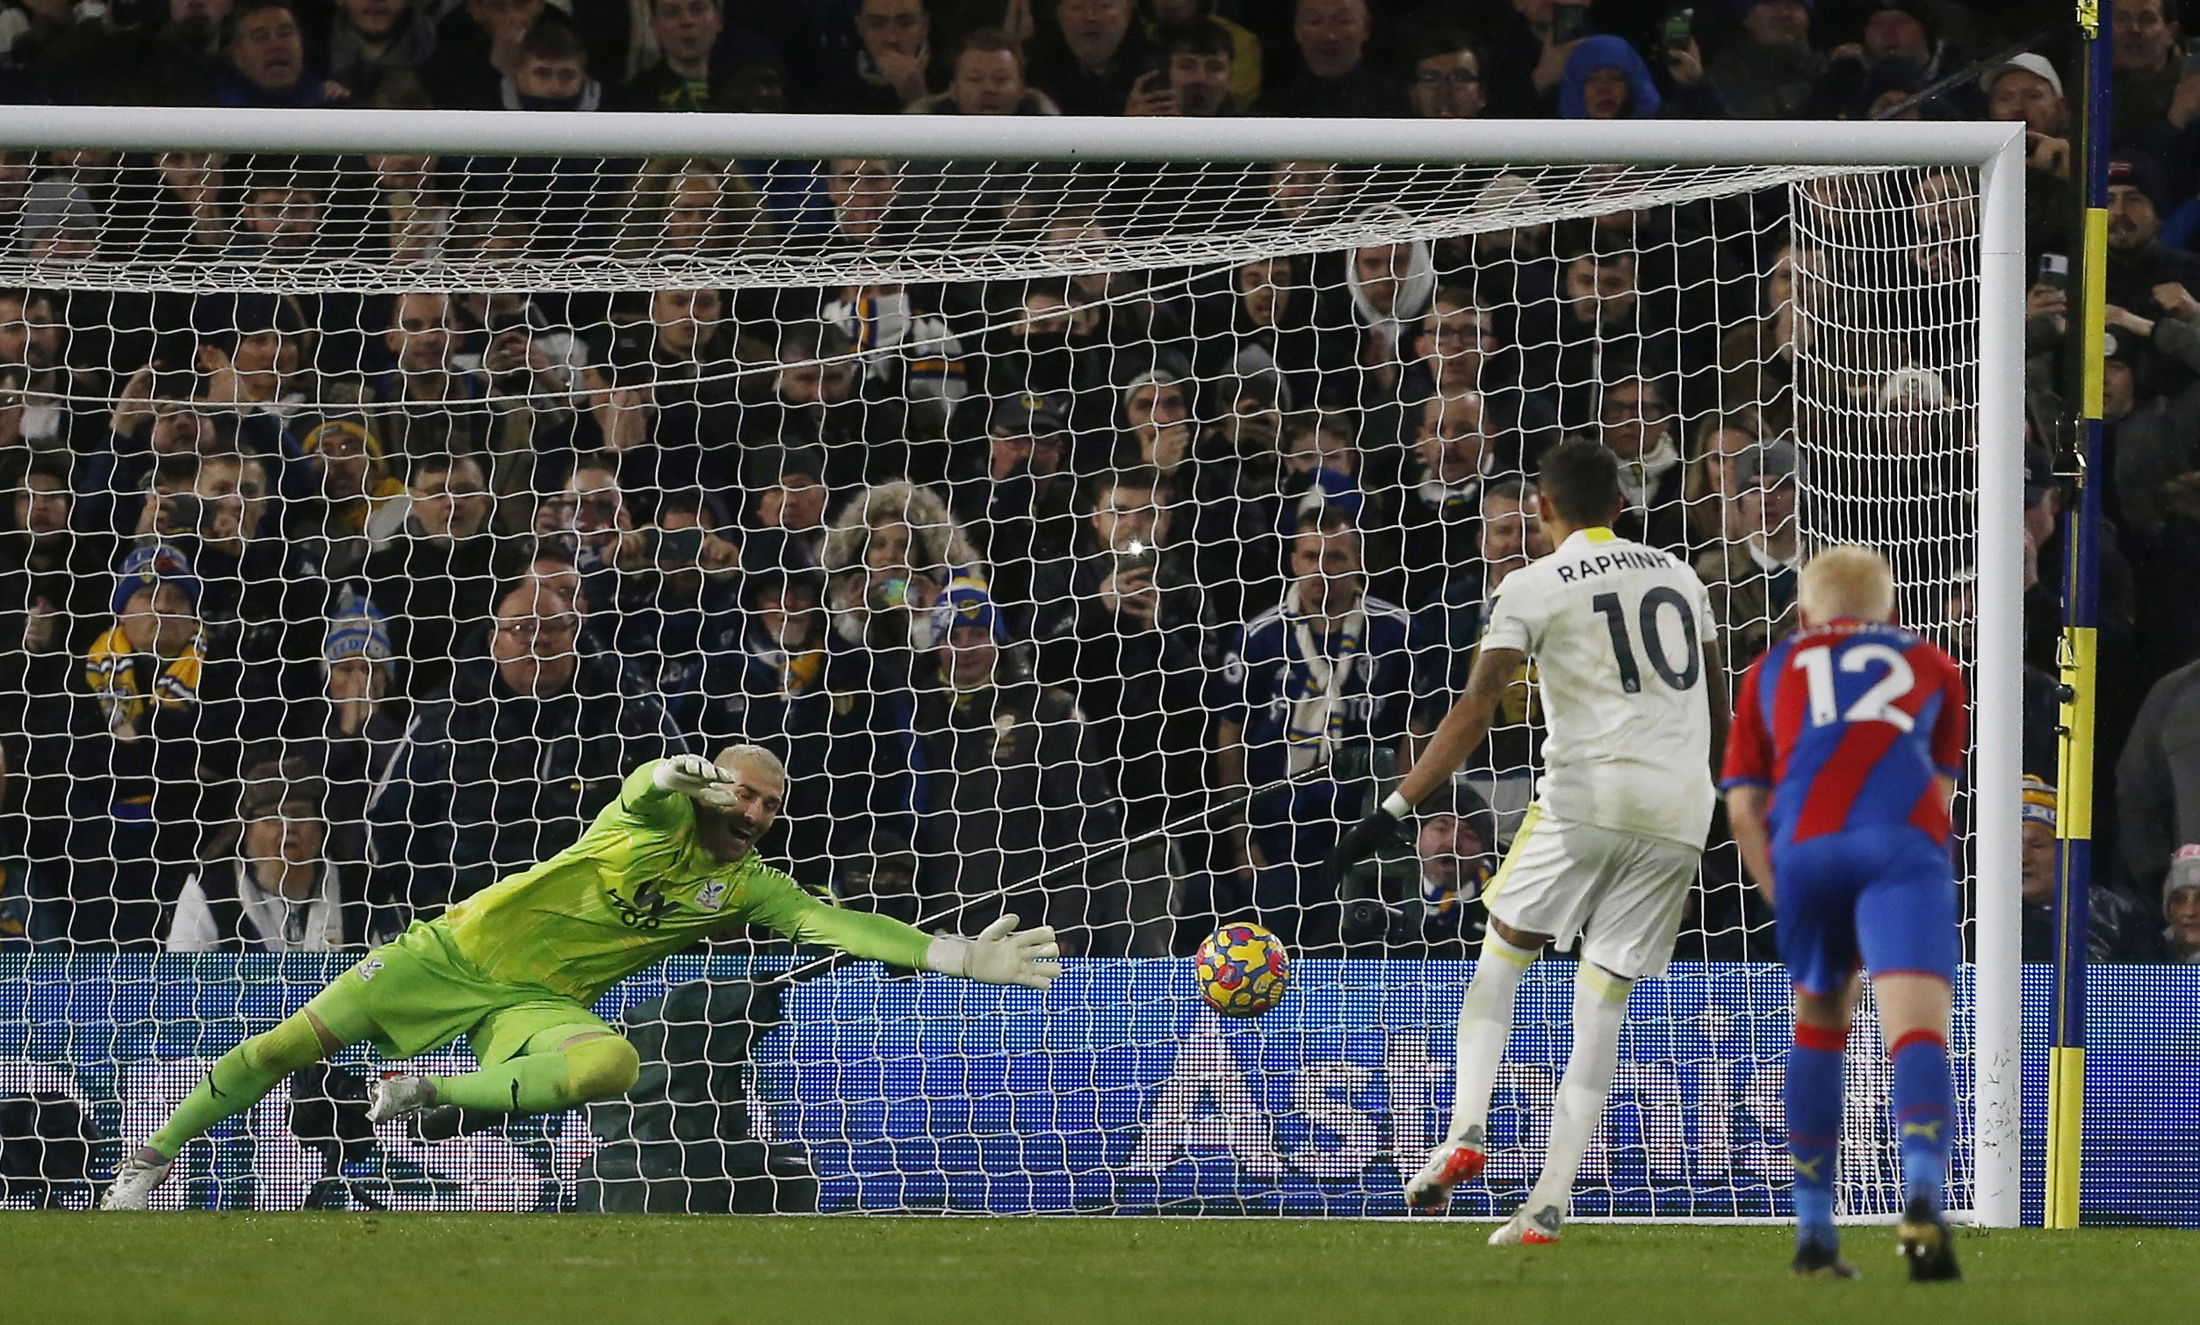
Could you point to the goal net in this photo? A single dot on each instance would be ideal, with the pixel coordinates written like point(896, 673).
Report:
point(1093, 539)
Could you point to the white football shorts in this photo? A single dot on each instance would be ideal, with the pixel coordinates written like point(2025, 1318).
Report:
point(1621, 892)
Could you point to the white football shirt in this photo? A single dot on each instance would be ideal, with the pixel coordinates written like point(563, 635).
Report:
point(1616, 630)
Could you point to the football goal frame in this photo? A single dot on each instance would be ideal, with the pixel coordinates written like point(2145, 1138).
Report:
point(1994, 151)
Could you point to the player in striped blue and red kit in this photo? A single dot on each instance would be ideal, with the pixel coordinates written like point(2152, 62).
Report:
point(1847, 740)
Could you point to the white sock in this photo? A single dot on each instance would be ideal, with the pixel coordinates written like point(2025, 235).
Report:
point(1485, 1025)
point(1600, 1005)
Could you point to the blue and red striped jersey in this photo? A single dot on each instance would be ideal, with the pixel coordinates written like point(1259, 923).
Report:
point(1848, 723)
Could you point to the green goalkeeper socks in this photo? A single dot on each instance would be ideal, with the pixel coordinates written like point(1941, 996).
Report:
point(597, 1068)
point(238, 1080)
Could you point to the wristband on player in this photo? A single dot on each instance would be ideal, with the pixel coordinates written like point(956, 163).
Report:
point(1397, 806)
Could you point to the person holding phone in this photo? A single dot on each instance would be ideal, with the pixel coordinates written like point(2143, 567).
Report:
point(1198, 70)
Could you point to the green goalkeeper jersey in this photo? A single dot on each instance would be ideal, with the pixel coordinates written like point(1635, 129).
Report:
point(636, 887)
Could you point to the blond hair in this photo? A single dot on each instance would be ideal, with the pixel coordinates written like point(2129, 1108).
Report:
point(1845, 581)
point(755, 755)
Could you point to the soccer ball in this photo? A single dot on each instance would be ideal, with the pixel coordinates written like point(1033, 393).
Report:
point(1243, 970)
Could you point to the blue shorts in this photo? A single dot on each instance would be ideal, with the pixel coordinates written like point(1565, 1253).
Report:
point(1884, 898)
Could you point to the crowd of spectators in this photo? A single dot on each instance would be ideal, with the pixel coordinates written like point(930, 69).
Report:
point(1104, 598)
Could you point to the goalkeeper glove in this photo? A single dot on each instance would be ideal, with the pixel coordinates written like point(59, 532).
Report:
point(999, 955)
point(695, 777)
point(1369, 835)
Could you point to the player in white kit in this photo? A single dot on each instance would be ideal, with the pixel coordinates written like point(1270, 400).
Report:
point(1625, 650)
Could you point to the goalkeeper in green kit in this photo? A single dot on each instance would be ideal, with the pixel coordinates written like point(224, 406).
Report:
point(515, 967)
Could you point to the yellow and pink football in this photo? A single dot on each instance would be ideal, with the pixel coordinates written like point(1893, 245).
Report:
point(1243, 970)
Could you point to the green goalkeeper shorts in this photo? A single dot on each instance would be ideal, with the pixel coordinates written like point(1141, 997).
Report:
point(418, 992)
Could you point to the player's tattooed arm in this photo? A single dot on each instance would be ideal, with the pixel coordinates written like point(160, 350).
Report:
point(1464, 727)
point(1454, 739)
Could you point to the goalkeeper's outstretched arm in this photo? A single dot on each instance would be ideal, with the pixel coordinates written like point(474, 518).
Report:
point(737, 798)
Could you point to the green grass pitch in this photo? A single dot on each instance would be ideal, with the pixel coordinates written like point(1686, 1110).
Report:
point(326, 1269)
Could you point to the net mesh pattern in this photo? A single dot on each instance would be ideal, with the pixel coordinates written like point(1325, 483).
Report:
point(374, 516)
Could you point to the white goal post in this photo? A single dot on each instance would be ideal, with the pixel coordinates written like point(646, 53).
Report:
point(1806, 151)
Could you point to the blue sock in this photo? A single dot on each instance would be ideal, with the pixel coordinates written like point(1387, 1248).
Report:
point(1813, 1096)
point(1924, 1112)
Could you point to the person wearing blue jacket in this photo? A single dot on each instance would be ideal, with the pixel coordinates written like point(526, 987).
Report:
point(1607, 79)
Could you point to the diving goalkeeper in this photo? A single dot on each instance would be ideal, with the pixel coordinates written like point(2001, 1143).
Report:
point(515, 967)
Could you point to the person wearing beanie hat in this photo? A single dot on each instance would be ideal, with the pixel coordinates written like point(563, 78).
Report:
point(356, 666)
point(353, 505)
point(2181, 906)
point(2116, 926)
point(148, 662)
point(2139, 263)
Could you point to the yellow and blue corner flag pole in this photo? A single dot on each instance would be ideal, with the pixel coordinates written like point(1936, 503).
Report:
point(2081, 542)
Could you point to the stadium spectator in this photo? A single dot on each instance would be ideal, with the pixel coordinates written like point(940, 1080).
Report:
point(267, 61)
point(2158, 777)
point(1713, 480)
point(1455, 849)
point(889, 555)
point(1171, 17)
point(34, 340)
point(892, 67)
point(817, 407)
point(2139, 264)
point(1155, 416)
point(1021, 799)
point(1638, 424)
point(271, 888)
point(1438, 513)
point(1021, 513)
point(373, 44)
point(1751, 573)
point(839, 723)
point(684, 77)
point(1309, 692)
point(2149, 73)
point(1134, 655)
point(2181, 905)
point(988, 79)
point(509, 763)
point(349, 506)
point(1197, 76)
point(1095, 60)
point(2117, 928)
point(439, 405)
point(1768, 73)
point(862, 191)
point(1388, 288)
point(1446, 82)
point(142, 777)
point(477, 47)
point(1509, 536)
point(2027, 89)
point(1460, 349)
point(410, 215)
point(436, 577)
point(693, 206)
point(1334, 76)
point(788, 522)
point(366, 719)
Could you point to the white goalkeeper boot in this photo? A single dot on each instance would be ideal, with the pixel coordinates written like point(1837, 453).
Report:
point(1536, 1228)
point(398, 1095)
point(140, 1171)
point(1450, 1164)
